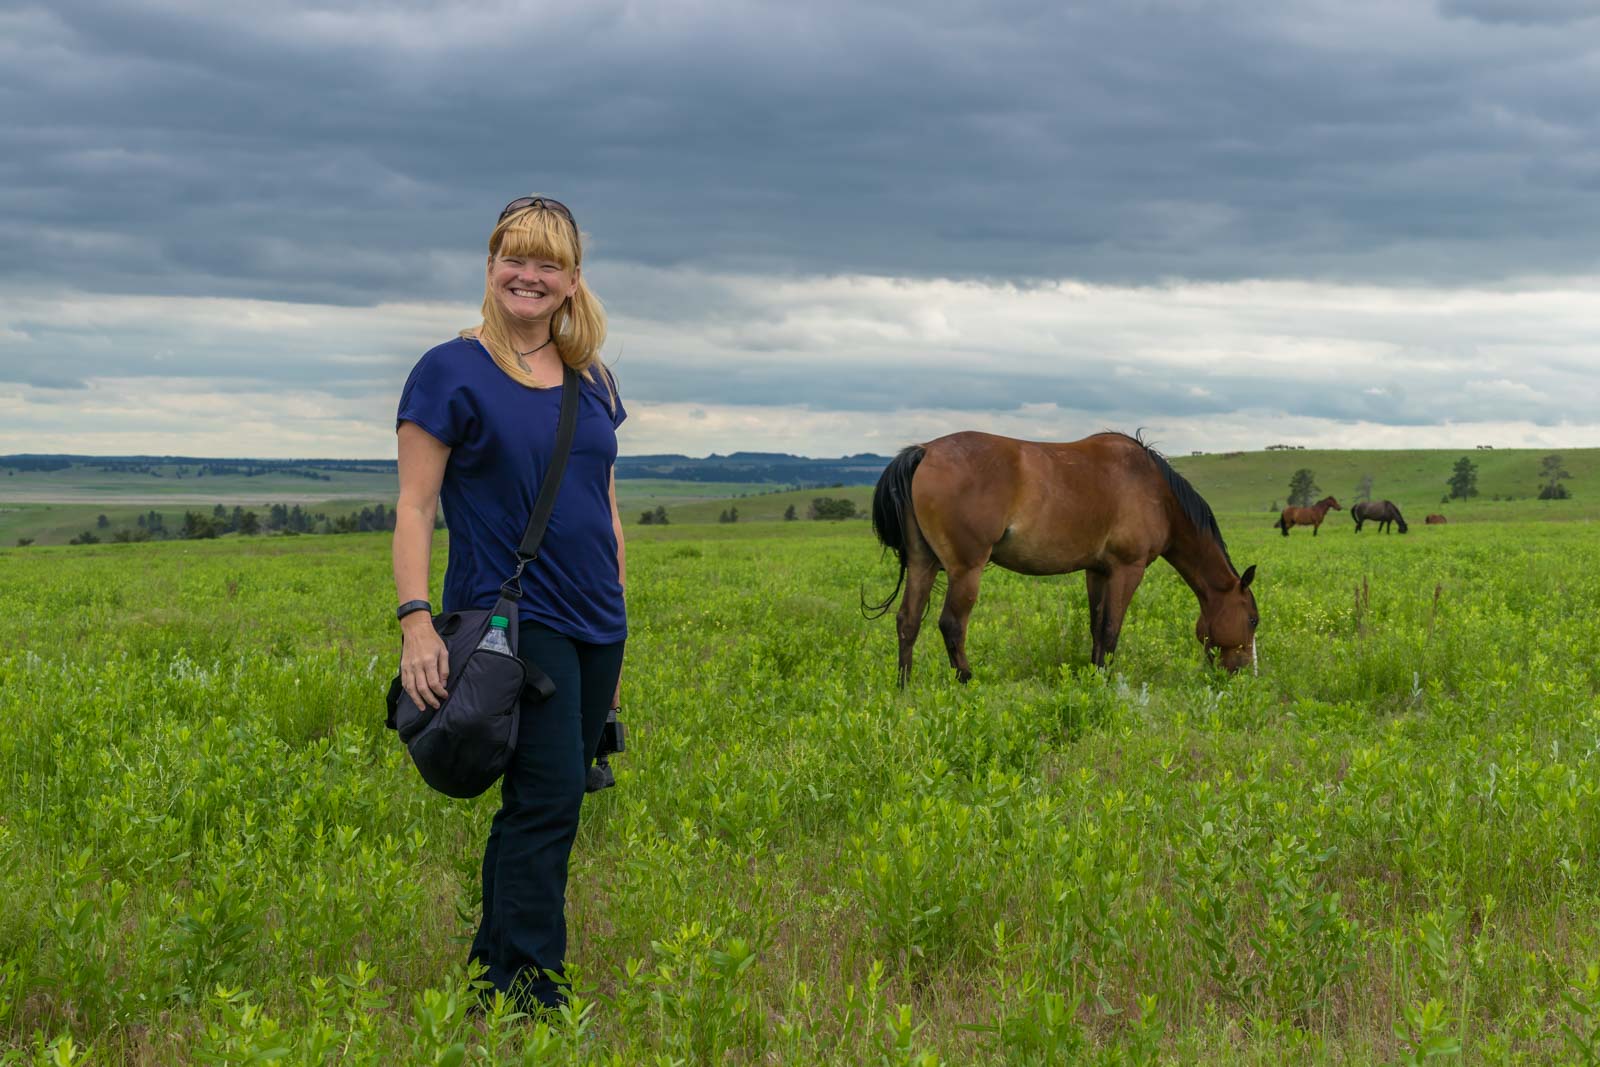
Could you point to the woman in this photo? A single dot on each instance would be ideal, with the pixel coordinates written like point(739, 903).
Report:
point(476, 428)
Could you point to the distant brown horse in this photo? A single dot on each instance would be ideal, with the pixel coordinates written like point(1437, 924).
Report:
point(1434, 520)
point(1311, 516)
point(1382, 512)
point(1107, 505)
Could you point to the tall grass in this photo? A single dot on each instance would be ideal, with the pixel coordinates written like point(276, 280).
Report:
point(1379, 850)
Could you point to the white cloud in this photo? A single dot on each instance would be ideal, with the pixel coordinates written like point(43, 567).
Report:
point(827, 365)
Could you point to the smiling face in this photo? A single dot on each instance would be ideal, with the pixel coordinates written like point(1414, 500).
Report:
point(533, 264)
point(1227, 628)
point(530, 287)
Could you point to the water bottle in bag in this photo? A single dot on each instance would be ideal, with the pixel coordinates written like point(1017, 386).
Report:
point(496, 640)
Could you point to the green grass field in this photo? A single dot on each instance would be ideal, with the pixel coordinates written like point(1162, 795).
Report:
point(53, 507)
point(1379, 850)
point(1417, 480)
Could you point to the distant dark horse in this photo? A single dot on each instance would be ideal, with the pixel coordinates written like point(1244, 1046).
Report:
point(1107, 505)
point(1311, 516)
point(1382, 512)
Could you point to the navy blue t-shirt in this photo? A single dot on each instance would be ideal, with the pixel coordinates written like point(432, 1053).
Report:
point(501, 435)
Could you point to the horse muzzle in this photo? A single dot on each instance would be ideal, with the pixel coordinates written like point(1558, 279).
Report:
point(1233, 658)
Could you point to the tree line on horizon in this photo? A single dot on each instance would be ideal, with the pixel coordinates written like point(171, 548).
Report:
point(279, 520)
point(1462, 483)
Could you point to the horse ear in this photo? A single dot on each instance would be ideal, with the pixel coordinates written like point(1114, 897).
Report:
point(1247, 577)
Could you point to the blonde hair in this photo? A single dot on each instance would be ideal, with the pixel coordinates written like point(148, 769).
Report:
point(578, 327)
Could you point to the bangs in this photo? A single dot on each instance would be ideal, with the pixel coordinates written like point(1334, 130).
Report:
point(537, 234)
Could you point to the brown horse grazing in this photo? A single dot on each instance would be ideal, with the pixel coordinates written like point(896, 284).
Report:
point(1434, 520)
point(1382, 512)
point(1107, 505)
point(1311, 516)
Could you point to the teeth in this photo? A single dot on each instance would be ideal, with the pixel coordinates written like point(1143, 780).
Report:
point(526, 292)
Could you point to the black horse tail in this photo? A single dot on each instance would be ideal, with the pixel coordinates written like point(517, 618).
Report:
point(890, 501)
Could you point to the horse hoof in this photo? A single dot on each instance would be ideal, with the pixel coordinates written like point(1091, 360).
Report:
point(963, 677)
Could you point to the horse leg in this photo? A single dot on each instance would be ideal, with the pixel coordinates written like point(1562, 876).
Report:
point(1315, 527)
point(1096, 584)
point(959, 597)
point(919, 583)
point(1120, 585)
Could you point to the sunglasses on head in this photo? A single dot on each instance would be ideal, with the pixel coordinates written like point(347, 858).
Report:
point(542, 202)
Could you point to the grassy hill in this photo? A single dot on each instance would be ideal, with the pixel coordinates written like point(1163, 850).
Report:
point(1243, 483)
point(758, 506)
point(1415, 479)
point(53, 506)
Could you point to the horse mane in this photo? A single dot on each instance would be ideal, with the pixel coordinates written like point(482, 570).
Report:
point(1193, 504)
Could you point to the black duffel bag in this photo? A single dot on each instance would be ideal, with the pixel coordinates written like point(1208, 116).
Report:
point(464, 746)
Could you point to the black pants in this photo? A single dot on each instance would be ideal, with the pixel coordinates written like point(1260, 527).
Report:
point(524, 930)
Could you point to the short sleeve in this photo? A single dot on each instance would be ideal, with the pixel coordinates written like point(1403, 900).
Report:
point(618, 412)
point(436, 398)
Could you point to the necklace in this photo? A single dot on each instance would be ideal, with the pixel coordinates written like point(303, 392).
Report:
point(524, 363)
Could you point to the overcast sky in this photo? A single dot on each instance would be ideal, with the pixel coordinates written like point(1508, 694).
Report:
point(822, 228)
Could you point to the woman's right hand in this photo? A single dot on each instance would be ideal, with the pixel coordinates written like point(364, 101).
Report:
point(424, 661)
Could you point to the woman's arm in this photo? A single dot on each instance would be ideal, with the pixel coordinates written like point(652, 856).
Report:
point(424, 663)
point(616, 528)
point(622, 565)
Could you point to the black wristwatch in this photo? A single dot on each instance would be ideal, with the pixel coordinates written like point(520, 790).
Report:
point(412, 605)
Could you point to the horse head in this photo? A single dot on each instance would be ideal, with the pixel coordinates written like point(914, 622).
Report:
point(1329, 503)
point(1227, 624)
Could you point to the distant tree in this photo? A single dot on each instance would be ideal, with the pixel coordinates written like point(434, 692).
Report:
point(647, 518)
point(660, 514)
point(1463, 479)
point(1364, 488)
point(1302, 488)
point(86, 538)
point(124, 534)
point(788, 514)
point(730, 515)
point(102, 522)
point(1551, 472)
point(249, 524)
point(198, 526)
point(236, 519)
point(827, 507)
point(24, 542)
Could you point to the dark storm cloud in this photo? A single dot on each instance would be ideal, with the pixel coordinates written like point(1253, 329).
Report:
point(357, 154)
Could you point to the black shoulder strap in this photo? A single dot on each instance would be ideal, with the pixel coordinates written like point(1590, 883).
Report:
point(528, 551)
